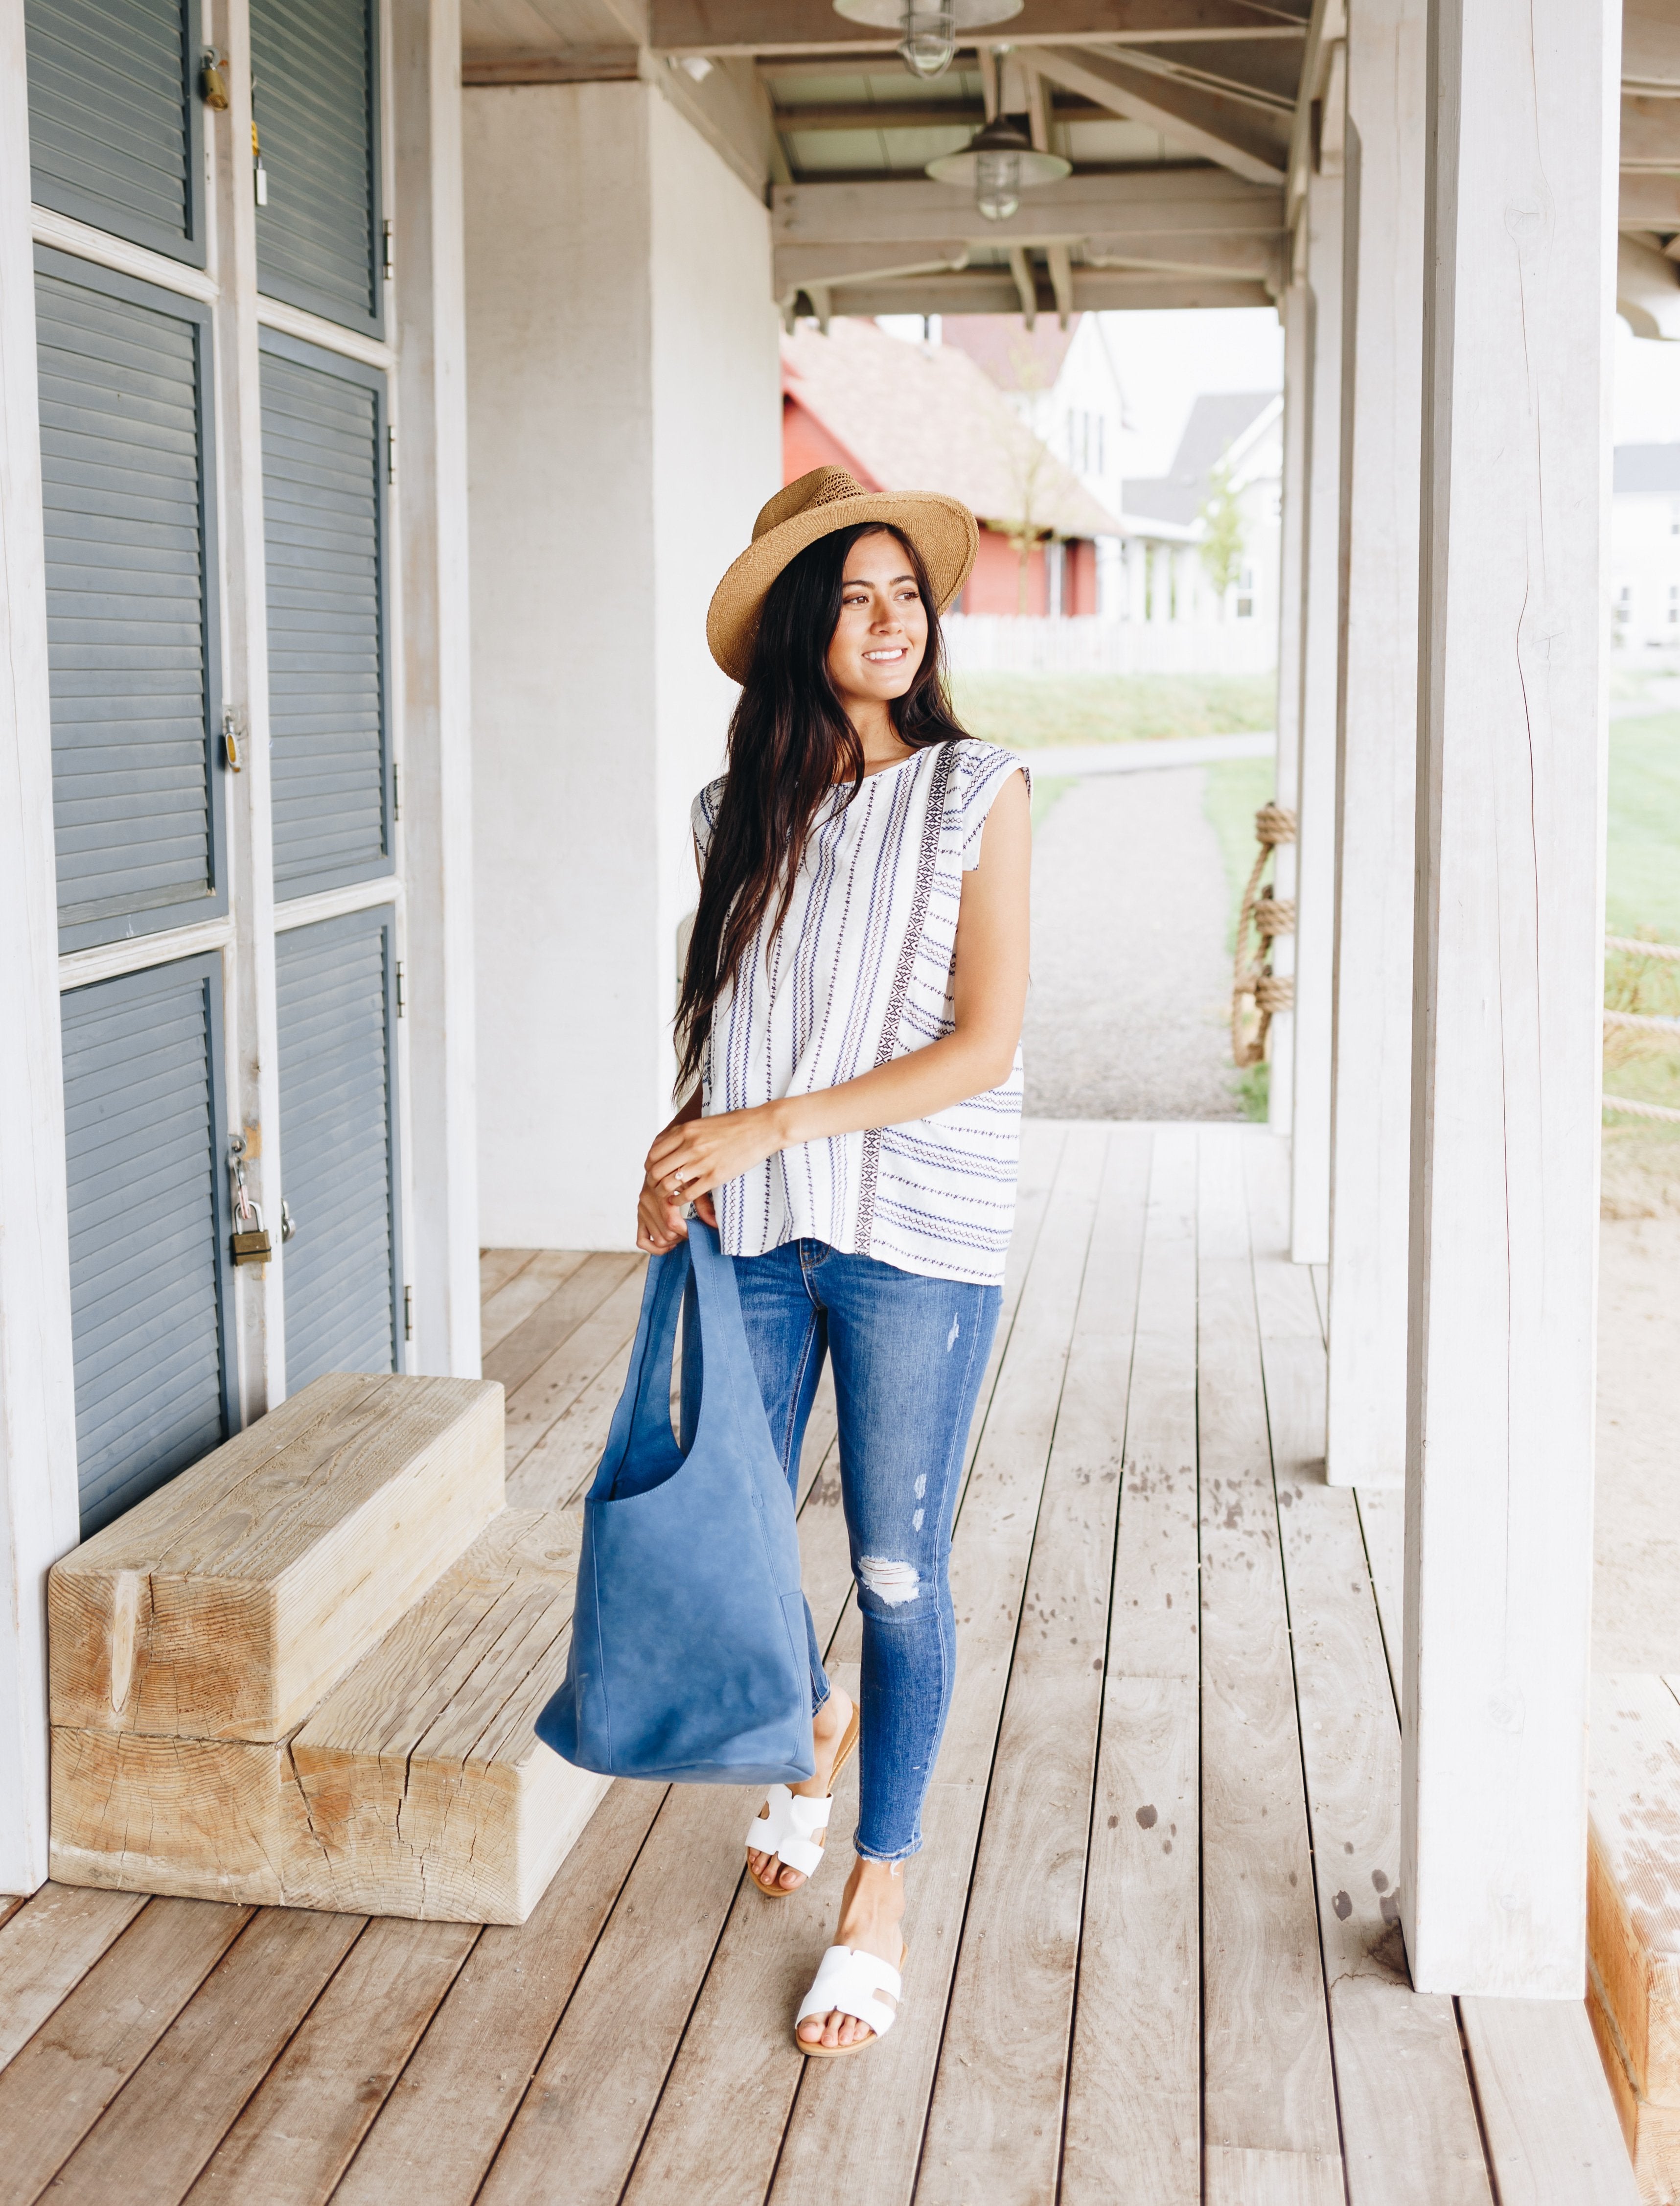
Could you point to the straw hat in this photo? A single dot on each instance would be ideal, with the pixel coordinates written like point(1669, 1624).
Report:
point(941, 529)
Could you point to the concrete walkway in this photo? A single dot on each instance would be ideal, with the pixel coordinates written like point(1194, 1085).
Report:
point(1057, 761)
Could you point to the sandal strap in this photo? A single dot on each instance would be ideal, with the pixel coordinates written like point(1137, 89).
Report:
point(847, 1982)
point(786, 1831)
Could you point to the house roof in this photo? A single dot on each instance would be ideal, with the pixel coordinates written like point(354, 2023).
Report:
point(1014, 357)
point(928, 417)
point(1651, 468)
point(1217, 422)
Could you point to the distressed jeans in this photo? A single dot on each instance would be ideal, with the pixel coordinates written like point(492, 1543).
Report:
point(908, 1353)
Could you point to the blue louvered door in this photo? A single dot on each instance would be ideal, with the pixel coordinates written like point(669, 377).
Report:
point(115, 126)
point(127, 472)
point(315, 96)
point(324, 465)
point(336, 987)
point(149, 1229)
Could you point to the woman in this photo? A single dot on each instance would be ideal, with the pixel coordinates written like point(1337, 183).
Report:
point(850, 1016)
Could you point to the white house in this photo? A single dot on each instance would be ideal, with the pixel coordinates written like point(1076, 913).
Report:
point(1645, 549)
point(1233, 441)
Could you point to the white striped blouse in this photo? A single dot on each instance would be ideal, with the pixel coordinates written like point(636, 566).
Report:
point(859, 972)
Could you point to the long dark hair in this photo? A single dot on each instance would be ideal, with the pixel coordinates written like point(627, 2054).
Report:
point(789, 742)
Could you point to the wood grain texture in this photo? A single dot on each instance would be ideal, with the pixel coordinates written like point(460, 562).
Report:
point(600, 1342)
point(856, 2126)
point(542, 1273)
point(417, 1788)
point(1407, 2120)
point(1133, 2110)
point(47, 1947)
point(496, 1267)
point(994, 2126)
point(437, 2131)
point(10, 1903)
point(57, 2087)
point(177, 2108)
point(1632, 1874)
point(523, 1351)
point(1238, 2177)
point(1267, 2080)
point(1546, 2110)
point(298, 2130)
point(226, 1603)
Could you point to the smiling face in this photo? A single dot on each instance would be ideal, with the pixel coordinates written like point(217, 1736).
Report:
point(879, 641)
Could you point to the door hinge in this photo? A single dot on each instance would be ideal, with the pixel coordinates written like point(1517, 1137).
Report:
point(390, 263)
point(407, 1313)
point(396, 792)
point(391, 456)
point(402, 999)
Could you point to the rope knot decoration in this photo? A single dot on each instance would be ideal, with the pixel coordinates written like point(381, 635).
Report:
point(1264, 916)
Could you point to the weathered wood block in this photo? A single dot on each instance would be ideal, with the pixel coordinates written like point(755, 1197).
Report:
point(227, 1603)
point(417, 1788)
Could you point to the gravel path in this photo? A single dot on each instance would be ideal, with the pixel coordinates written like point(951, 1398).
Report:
point(1131, 985)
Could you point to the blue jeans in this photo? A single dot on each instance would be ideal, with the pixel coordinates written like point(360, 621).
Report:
point(908, 1355)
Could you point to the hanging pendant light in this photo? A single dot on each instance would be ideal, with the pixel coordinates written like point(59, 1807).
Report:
point(928, 29)
point(1001, 162)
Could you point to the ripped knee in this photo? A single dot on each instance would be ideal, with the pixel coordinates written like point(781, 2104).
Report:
point(893, 1583)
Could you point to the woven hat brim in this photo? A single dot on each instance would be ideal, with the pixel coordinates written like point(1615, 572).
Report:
point(942, 529)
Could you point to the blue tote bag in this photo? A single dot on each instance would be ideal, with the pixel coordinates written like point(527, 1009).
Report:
point(688, 1660)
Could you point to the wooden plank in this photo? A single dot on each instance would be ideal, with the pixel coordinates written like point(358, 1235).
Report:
point(1247, 2178)
point(542, 1275)
point(226, 1603)
point(57, 2087)
point(48, 1947)
point(497, 1266)
point(1267, 2082)
point(521, 1353)
point(854, 2133)
point(1382, 1520)
point(719, 2125)
point(601, 1339)
point(298, 2130)
point(1547, 2111)
point(1134, 2111)
point(435, 2134)
point(176, 2110)
point(1409, 2124)
point(10, 1903)
point(1632, 1874)
point(417, 1788)
point(993, 2127)
point(749, 26)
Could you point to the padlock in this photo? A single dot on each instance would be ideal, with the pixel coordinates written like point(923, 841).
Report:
point(251, 1248)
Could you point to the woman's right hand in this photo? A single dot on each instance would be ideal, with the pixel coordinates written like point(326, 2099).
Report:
point(659, 1220)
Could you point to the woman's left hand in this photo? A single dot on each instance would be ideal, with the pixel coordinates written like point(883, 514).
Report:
point(695, 1155)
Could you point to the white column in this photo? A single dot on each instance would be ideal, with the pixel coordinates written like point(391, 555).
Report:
point(437, 686)
point(1137, 578)
point(624, 427)
point(1519, 262)
point(1321, 676)
point(1298, 398)
point(37, 1438)
point(1370, 1136)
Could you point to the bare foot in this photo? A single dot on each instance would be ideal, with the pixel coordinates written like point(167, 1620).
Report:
point(828, 1728)
point(870, 1914)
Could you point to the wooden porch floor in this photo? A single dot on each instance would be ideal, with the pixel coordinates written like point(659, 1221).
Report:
point(1154, 1957)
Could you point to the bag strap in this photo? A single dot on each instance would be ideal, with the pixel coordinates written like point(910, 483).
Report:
point(642, 1418)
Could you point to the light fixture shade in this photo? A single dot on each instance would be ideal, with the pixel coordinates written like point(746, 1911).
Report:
point(967, 14)
point(1000, 162)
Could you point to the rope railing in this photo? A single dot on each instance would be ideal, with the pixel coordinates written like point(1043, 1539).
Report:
point(1642, 1023)
point(1265, 916)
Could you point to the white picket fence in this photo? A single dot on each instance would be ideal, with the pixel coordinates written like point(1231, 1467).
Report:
point(993, 643)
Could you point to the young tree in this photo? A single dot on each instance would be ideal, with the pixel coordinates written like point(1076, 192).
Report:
point(1222, 543)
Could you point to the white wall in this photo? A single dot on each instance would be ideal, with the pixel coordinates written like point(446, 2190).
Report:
point(623, 428)
point(1645, 571)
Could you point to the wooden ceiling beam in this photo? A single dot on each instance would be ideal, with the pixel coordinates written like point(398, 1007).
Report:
point(994, 291)
point(1210, 123)
point(793, 26)
point(915, 211)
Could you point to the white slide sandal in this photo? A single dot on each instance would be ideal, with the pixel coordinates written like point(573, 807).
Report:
point(849, 1982)
point(785, 1827)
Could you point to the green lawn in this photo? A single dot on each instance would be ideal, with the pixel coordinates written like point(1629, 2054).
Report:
point(1028, 711)
point(1644, 888)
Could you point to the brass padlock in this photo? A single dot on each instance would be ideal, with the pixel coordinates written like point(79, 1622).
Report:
point(251, 1248)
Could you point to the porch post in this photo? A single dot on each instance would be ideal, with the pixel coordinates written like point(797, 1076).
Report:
point(1519, 260)
point(1320, 670)
point(1370, 1132)
point(437, 686)
point(1297, 397)
point(38, 1438)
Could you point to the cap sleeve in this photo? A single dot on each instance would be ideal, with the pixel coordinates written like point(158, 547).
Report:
point(986, 773)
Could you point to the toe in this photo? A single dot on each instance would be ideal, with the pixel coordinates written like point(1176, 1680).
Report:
point(791, 1879)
